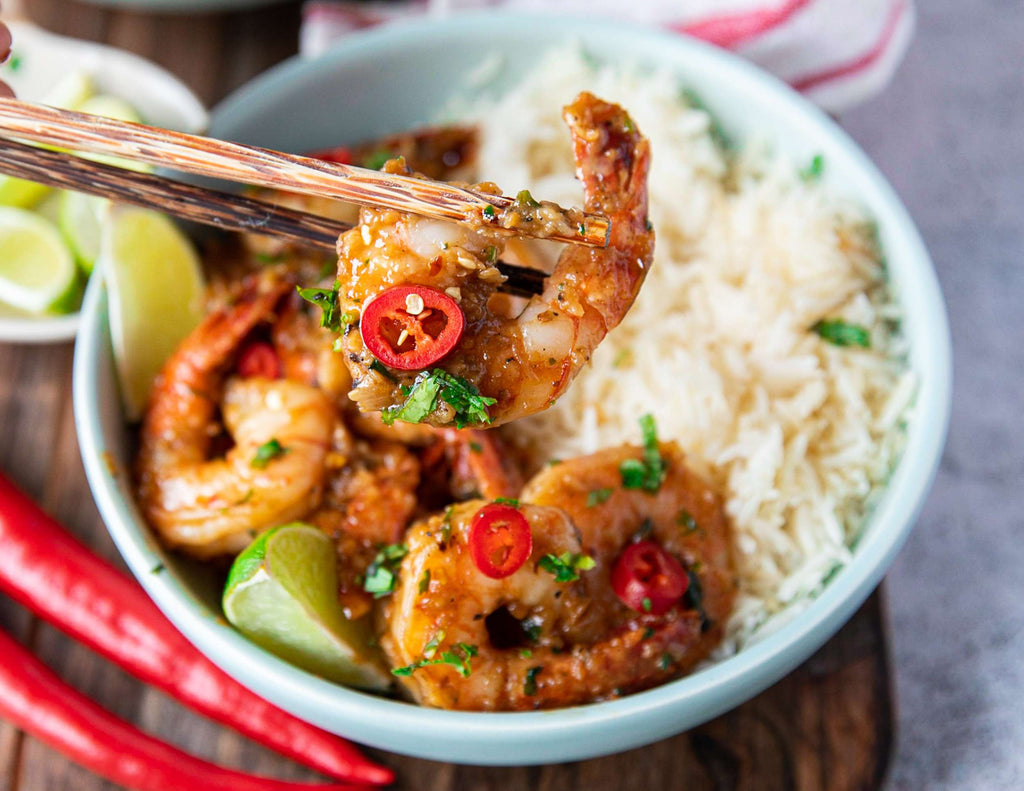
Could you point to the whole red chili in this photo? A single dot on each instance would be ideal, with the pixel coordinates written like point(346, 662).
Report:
point(46, 569)
point(35, 699)
point(258, 358)
point(411, 327)
point(500, 540)
point(648, 579)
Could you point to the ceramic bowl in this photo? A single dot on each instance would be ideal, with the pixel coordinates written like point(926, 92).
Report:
point(391, 79)
point(39, 60)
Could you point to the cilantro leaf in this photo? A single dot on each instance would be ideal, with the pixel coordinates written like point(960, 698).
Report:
point(326, 299)
point(506, 501)
point(598, 496)
point(566, 567)
point(267, 452)
point(813, 170)
point(381, 575)
point(840, 333)
point(649, 473)
point(436, 385)
point(530, 684)
point(459, 658)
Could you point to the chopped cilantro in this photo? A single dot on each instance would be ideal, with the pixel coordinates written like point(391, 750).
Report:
point(425, 582)
point(649, 473)
point(644, 531)
point(376, 160)
point(531, 628)
point(582, 229)
point(446, 525)
point(459, 658)
point(379, 367)
point(476, 447)
point(566, 567)
point(270, 258)
point(491, 253)
point(627, 124)
point(648, 633)
point(507, 501)
point(530, 685)
point(15, 62)
point(554, 462)
point(666, 661)
point(380, 575)
point(525, 653)
point(814, 170)
point(327, 300)
point(490, 212)
point(646, 604)
point(840, 333)
point(266, 453)
point(686, 521)
point(524, 198)
point(598, 496)
point(433, 385)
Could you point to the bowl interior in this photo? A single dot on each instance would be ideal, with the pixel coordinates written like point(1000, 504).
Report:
point(394, 78)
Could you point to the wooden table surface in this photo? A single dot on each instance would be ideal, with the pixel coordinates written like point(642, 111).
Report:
point(826, 726)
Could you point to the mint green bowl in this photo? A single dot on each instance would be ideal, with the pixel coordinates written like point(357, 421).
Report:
point(392, 79)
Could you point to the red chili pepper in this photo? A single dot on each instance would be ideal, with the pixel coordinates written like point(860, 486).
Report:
point(342, 155)
point(259, 359)
point(500, 540)
point(34, 698)
point(411, 327)
point(46, 569)
point(648, 579)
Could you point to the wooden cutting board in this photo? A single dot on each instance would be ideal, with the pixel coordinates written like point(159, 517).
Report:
point(828, 725)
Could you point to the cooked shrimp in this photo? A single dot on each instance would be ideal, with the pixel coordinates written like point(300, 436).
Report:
point(532, 642)
point(684, 516)
point(210, 506)
point(523, 362)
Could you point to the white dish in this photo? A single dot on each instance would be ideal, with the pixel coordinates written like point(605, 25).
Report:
point(42, 59)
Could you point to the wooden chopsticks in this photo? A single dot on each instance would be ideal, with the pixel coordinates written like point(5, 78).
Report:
point(221, 210)
point(262, 167)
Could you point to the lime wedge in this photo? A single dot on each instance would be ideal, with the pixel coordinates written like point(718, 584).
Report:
point(80, 219)
point(37, 272)
point(155, 287)
point(281, 593)
point(69, 93)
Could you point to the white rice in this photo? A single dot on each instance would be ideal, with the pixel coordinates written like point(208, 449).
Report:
point(796, 433)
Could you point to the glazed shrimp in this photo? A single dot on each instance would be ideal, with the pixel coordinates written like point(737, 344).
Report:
point(538, 643)
point(521, 364)
point(210, 506)
point(684, 516)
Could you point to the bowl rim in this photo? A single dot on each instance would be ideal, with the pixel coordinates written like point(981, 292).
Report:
point(532, 737)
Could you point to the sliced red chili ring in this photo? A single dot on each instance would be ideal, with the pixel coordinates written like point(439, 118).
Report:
point(259, 359)
point(648, 579)
point(500, 540)
point(411, 327)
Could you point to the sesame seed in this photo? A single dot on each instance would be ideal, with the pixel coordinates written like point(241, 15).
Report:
point(414, 304)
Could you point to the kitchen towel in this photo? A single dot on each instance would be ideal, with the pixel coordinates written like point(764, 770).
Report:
point(836, 52)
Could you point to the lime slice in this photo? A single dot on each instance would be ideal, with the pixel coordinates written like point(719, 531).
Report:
point(155, 287)
point(112, 107)
point(281, 593)
point(37, 272)
point(109, 107)
point(80, 219)
point(69, 93)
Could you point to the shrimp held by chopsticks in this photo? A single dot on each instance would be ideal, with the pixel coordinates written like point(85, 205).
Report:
point(422, 339)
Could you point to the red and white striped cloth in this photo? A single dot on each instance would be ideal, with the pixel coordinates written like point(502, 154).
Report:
point(837, 52)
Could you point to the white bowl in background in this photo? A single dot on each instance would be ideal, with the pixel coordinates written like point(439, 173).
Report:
point(161, 99)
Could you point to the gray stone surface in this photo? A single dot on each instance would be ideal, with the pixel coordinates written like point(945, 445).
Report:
point(949, 133)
